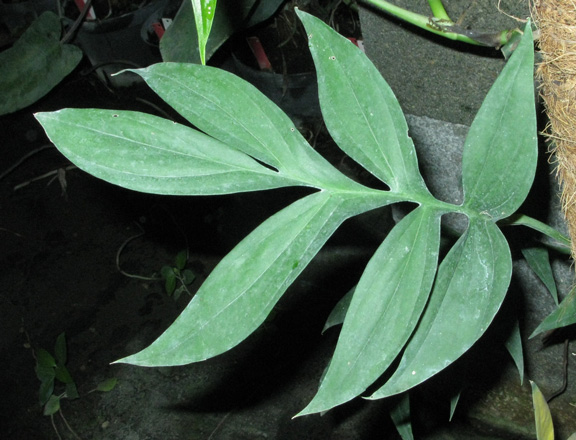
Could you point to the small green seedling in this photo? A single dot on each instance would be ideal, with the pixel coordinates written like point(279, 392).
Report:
point(56, 382)
point(177, 277)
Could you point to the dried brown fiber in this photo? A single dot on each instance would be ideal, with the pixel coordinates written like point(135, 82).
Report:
point(556, 21)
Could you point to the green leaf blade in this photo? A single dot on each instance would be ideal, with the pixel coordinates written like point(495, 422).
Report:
point(150, 154)
point(470, 287)
point(539, 261)
point(107, 385)
point(360, 110)
point(514, 346)
point(242, 290)
point(60, 351)
point(204, 11)
point(542, 416)
point(236, 113)
point(52, 405)
point(338, 313)
point(562, 316)
point(400, 415)
point(384, 310)
point(501, 149)
point(35, 64)
point(180, 41)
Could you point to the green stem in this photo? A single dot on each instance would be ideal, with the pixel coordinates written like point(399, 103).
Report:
point(519, 219)
point(440, 24)
point(438, 10)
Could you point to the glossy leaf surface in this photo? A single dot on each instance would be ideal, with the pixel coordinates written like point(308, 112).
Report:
point(471, 284)
point(360, 110)
point(384, 310)
point(241, 291)
point(499, 158)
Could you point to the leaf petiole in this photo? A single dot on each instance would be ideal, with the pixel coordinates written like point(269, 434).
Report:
point(441, 24)
point(519, 219)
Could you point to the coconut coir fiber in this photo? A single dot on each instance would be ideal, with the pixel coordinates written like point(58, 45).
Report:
point(556, 20)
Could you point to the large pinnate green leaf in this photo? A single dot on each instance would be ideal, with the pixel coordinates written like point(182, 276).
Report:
point(499, 159)
point(150, 154)
point(36, 63)
point(384, 310)
point(471, 284)
point(235, 112)
point(241, 291)
point(361, 111)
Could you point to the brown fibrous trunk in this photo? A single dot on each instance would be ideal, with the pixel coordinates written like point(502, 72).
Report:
point(556, 21)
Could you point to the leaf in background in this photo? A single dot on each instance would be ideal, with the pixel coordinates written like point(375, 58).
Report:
point(539, 261)
point(204, 11)
point(470, 286)
point(233, 111)
point(63, 375)
point(542, 416)
point(46, 390)
point(514, 347)
point(72, 391)
point(360, 110)
point(384, 310)
point(150, 154)
point(242, 290)
point(44, 360)
point(52, 406)
point(400, 415)
point(180, 42)
point(500, 152)
point(562, 316)
point(60, 349)
point(35, 64)
point(181, 259)
point(338, 313)
point(454, 403)
point(107, 385)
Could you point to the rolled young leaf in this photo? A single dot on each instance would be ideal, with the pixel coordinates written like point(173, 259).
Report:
point(179, 42)
point(204, 11)
point(384, 310)
point(471, 284)
point(500, 152)
point(360, 110)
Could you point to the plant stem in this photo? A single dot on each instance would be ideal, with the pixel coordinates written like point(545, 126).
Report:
point(441, 24)
point(519, 219)
point(438, 10)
